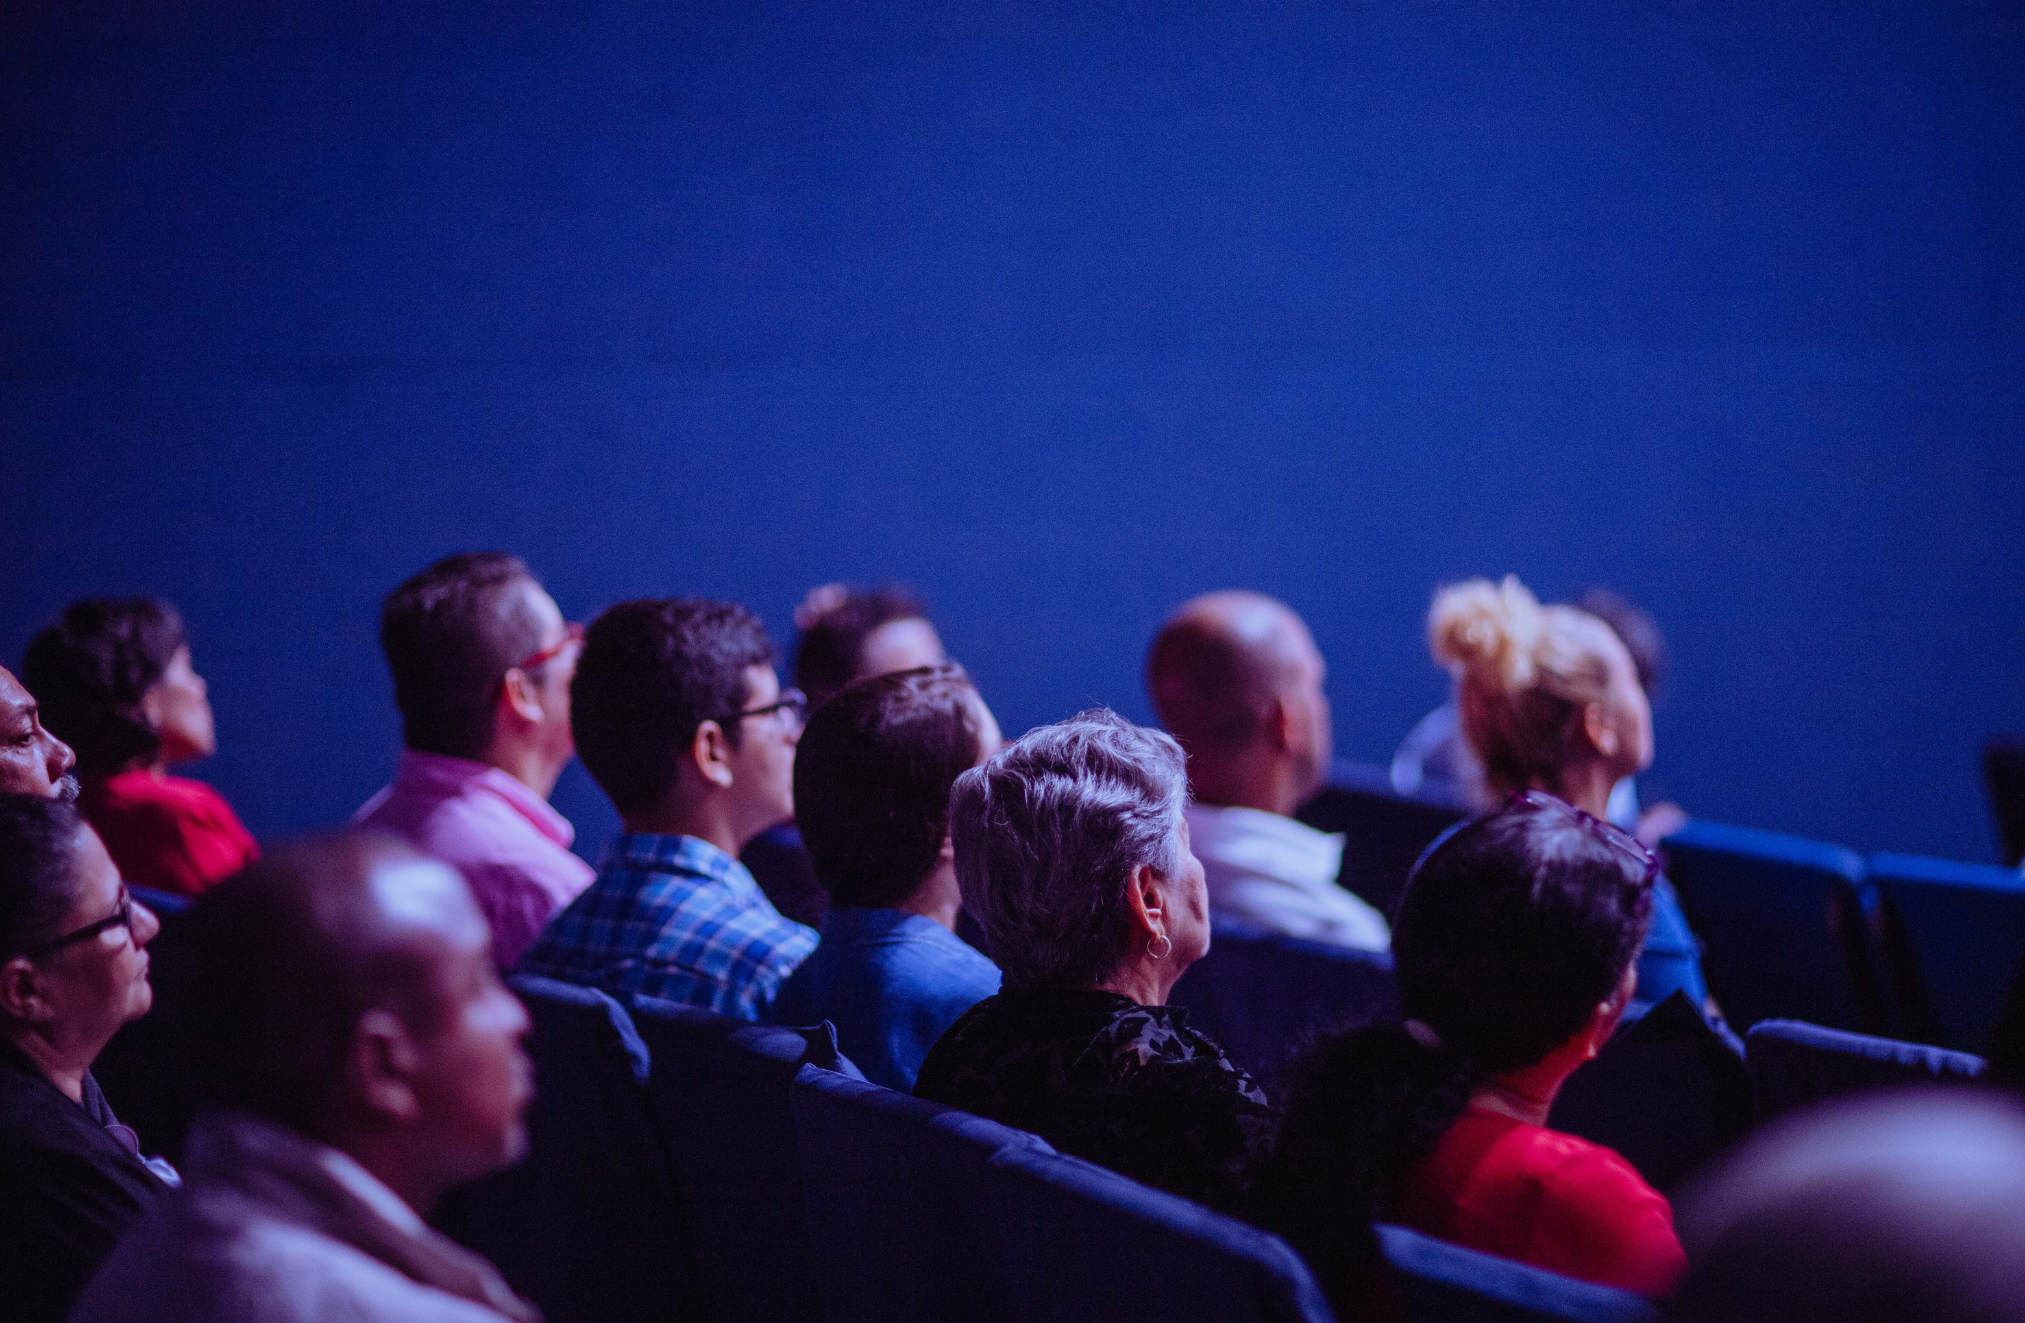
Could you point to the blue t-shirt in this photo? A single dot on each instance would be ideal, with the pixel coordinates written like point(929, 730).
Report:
point(890, 982)
point(1672, 959)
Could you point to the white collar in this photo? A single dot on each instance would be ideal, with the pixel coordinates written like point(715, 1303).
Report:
point(1255, 841)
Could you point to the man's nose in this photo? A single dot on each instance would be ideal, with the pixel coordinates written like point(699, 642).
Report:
point(61, 756)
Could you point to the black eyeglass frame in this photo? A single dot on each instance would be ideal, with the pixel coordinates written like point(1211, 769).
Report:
point(793, 699)
point(122, 917)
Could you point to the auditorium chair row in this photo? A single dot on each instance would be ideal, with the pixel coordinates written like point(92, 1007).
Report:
point(1794, 929)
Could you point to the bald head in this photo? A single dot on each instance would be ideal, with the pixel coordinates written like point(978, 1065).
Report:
point(286, 957)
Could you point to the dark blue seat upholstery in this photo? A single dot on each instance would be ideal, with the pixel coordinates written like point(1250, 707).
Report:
point(720, 1094)
point(1384, 831)
point(1260, 995)
point(1953, 935)
point(1785, 923)
point(2004, 774)
point(1793, 1064)
point(163, 903)
point(589, 1227)
point(1443, 1283)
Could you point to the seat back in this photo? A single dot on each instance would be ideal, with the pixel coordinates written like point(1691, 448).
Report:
point(1793, 1064)
point(1953, 935)
point(589, 1226)
point(891, 1186)
point(2004, 774)
point(720, 1095)
point(1785, 923)
point(1442, 1283)
point(1260, 995)
point(1384, 831)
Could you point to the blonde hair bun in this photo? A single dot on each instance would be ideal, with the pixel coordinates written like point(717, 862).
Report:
point(1490, 631)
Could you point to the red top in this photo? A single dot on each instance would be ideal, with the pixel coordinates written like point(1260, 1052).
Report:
point(167, 832)
point(1524, 1192)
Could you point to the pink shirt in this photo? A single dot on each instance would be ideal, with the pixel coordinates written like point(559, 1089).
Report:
point(512, 848)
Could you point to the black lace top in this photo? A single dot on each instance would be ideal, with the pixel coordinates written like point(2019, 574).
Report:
point(1101, 1077)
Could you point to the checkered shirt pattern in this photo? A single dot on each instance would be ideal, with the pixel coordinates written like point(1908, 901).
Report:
point(677, 918)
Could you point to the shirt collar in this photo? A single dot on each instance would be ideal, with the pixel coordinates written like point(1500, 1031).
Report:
point(855, 923)
point(441, 774)
point(1257, 841)
point(687, 854)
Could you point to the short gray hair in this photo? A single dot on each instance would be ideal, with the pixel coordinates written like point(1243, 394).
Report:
point(1047, 834)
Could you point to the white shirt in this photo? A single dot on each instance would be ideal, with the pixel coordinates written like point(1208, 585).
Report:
point(1280, 874)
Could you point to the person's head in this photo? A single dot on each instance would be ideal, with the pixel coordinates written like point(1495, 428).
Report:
point(32, 760)
point(1514, 951)
point(1638, 631)
point(872, 777)
point(73, 967)
point(1236, 677)
point(677, 703)
point(1072, 853)
point(114, 679)
point(849, 634)
point(344, 987)
point(482, 661)
point(1873, 1209)
point(1545, 692)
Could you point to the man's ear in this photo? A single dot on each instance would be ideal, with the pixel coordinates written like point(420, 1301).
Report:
point(1596, 725)
point(22, 996)
point(1280, 724)
point(379, 1061)
point(710, 752)
point(520, 695)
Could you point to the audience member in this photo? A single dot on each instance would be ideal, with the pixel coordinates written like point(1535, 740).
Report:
point(845, 636)
point(32, 761)
point(1549, 700)
point(872, 779)
point(1072, 851)
point(114, 679)
point(682, 721)
point(482, 662)
point(1514, 949)
point(73, 969)
point(358, 1056)
point(1236, 677)
point(1876, 1209)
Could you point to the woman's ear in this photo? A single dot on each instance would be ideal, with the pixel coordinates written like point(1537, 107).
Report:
point(1147, 901)
point(1610, 1011)
point(1602, 733)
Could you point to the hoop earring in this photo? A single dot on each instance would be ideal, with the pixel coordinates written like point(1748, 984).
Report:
point(1165, 951)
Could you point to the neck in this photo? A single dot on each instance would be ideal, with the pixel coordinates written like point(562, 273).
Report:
point(708, 819)
point(939, 898)
point(1526, 1094)
point(533, 767)
point(1587, 786)
point(393, 1162)
point(63, 1063)
point(1144, 980)
point(1253, 778)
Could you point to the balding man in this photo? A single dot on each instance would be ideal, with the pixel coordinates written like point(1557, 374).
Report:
point(32, 761)
point(1237, 679)
point(358, 1056)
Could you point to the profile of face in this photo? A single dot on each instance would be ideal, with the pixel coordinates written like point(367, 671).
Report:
point(469, 1079)
point(561, 646)
point(763, 764)
point(1623, 718)
point(900, 645)
point(1187, 904)
point(90, 985)
point(178, 706)
point(32, 761)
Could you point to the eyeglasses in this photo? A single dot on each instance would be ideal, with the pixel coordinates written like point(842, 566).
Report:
point(572, 633)
point(123, 917)
point(1608, 832)
point(791, 708)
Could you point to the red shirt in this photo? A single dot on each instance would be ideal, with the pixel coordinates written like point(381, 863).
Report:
point(167, 832)
point(1524, 1192)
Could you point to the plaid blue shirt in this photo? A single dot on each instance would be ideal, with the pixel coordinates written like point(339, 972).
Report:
point(677, 918)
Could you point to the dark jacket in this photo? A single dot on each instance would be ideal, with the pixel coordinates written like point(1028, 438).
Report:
point(1102, 1077)
point(69, 1186)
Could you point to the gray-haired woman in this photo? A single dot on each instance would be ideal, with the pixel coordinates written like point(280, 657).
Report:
point(1072, 852)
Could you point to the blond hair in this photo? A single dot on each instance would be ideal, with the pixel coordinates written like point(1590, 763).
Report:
point(1524, 674)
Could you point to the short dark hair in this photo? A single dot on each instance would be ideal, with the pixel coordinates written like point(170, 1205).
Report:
point(38, 869)
point(651, 672)
point(91, 669)
point(279, 962)
point(1638, 631)
point(872, 778)
point(831, 649)
point(451, 633)
point(1511, 931)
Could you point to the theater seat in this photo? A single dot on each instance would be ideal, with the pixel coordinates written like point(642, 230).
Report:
point(1953, 935)
point(1785, 924)
point(1384, 831)
point(1261, 995)
point(720, 1095)
point(2004, 774)
point(589, 1227)
point(1443, 1283)
point(1793, 1064)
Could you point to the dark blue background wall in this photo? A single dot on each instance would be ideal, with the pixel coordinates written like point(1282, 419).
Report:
point(1061, 313)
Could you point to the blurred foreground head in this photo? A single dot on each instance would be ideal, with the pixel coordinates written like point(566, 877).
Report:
point(1898, 1206)
point(344, 987)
